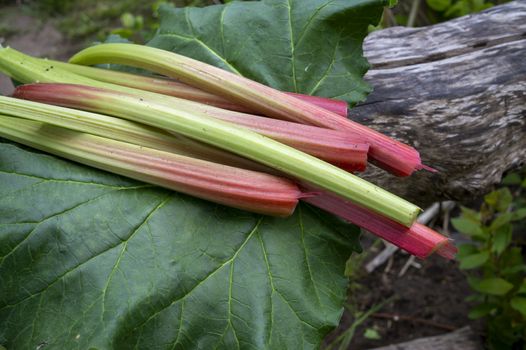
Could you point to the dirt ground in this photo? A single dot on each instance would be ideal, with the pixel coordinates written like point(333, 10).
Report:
point(32, 36)
point(426, 301)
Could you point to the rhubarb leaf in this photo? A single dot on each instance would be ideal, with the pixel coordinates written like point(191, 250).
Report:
point(93, 260)
point(307, 46)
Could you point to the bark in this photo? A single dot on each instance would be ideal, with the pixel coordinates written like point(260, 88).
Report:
point(457, 92)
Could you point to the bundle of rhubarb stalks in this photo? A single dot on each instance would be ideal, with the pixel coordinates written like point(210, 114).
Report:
point(200, 130)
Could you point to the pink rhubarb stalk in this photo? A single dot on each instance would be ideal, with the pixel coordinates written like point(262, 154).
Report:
point(386, 152)
point(171, 87)
point(330, 145)
point(418, 240)
point(244, 189)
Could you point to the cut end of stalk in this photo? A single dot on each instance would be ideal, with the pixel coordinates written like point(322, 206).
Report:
point(447, 250)
point(431, 242)
point(428, 168)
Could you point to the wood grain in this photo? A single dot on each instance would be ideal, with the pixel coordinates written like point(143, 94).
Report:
point(462, 339)
point(457, 92)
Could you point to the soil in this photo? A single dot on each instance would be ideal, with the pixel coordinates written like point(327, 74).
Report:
point(428, 300)
point(33, 36)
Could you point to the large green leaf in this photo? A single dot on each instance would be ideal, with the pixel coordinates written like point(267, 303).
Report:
point(93, 260)
point(308, 46)
point(89, 259)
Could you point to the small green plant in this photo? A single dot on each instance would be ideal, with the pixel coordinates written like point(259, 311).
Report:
point(131, 25)
point(344, 340)
point(495, 264)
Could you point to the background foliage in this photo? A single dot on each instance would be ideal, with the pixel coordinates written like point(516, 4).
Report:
point(494, 261)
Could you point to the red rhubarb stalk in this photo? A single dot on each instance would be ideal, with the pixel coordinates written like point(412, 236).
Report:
point(333, 146)
point(386, 152)
point(175, 88)
point(418, 239)
point(336, 106)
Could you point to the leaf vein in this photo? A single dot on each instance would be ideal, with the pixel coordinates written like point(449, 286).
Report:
point(294, 311)
point(179, 329)
point(311, 18)
point(125, 244)
point(75, 181)
point(38, 223)
point(292, 47)
point(225, 263)
point(307, 262)
point(271, 282)
point(329, 67)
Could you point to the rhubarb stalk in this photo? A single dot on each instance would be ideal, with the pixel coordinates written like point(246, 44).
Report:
point(388, 153)
point(175, 88)
point(418, 239)
point(239, 188)
point(194, 124)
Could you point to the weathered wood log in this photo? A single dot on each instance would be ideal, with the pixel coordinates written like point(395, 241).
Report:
point(462, 339)
point(457, 92)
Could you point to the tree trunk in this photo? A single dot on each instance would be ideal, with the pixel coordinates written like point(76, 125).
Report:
point(457, 92)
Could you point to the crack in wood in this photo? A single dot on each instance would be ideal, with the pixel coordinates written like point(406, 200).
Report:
point(450, 53)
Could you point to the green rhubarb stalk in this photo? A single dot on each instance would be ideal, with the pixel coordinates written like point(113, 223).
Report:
point(199, 126)
point(388, 153)
point(333, 146)
point(175, 88)
point(244, 189)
